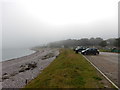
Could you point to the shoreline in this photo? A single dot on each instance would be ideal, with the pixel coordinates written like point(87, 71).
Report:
point(15, 72)
point(20, 56)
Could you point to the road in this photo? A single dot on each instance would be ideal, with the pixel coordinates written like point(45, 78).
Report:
point(107, 63)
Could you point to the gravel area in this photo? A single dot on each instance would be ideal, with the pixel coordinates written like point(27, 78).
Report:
point(16, 73)
point(107, 63)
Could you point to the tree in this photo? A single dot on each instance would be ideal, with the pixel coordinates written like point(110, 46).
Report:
point(103, 43)
point(98, 40)
point(111, 41)
point(117, 42)
point(92, 41)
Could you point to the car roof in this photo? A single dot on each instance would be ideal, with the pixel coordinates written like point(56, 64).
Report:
point(91, 49)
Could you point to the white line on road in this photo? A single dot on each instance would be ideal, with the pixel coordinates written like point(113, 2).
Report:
point(102, 74)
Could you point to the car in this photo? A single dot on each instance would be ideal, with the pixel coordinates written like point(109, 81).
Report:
point(77, 50)
point(89, 51)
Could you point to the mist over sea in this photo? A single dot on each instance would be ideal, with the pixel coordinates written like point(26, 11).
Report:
point(11, 53)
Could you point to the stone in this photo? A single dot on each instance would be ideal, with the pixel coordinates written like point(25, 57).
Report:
point(22, 69)
point(5, 74)
point(28, 66)
point(5, 77)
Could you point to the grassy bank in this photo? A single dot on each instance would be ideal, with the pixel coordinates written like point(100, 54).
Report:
point(69, 70)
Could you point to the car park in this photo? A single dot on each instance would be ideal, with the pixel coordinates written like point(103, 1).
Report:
point(90, 51)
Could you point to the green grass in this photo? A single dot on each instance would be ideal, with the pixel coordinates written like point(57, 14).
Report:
point(104, 50)
point(109, 50)
point(68, 70)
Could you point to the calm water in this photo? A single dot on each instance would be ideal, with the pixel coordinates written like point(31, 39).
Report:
point(14, 53)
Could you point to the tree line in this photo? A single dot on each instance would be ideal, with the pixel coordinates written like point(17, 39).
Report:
point(92, 42)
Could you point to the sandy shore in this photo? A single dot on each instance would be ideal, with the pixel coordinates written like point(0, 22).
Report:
point(16, 73)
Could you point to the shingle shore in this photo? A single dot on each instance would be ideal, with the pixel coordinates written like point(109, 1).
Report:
point(16, 73)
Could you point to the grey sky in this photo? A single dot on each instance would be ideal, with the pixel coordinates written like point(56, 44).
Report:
point(35, 22)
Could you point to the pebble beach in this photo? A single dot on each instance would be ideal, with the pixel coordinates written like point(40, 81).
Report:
point(16, 73)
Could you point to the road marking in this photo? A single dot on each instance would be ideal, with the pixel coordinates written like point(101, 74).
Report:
point(102, 73)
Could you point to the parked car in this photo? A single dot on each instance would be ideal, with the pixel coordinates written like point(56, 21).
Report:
point(77, 50)
point(88, 51)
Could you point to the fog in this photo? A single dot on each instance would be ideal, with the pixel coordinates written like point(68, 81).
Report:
point(28, 23)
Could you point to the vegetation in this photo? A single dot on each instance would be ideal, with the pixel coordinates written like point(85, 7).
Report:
point(117, 42)
point(113, 50)
point(68, 70)
point(103, 44)
point(105, 50)
point(97, 42)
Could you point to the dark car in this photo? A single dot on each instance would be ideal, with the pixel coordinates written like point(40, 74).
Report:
point(89, 51)
point(77, 50)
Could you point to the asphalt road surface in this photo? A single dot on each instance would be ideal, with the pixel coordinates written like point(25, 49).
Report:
point(107, 63)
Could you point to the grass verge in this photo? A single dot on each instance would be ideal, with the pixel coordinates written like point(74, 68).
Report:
point(104, 50)
point(69, 70)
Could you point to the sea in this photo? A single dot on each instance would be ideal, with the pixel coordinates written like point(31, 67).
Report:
point(11, 53)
